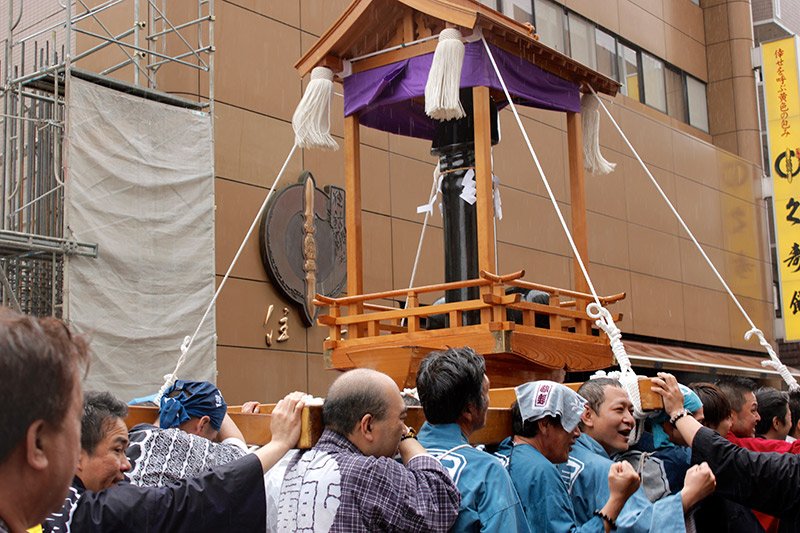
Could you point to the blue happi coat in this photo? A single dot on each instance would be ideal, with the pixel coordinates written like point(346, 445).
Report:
point(542, 492)
point(586, 476)
point(489, 501)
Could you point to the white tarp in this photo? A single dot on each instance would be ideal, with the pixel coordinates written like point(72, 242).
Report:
point(141, 185)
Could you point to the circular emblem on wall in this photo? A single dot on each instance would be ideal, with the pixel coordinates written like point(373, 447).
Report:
point(303, 243)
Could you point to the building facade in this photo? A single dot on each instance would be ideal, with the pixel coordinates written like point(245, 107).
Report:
point(688, 105)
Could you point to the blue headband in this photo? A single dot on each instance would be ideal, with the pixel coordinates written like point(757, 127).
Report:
point(191, 399)
point(692, 404)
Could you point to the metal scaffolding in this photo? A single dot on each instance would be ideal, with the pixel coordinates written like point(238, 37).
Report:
point(122, 44)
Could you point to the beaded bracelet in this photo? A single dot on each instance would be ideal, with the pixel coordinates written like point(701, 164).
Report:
point(677, 416)
point(606, 518)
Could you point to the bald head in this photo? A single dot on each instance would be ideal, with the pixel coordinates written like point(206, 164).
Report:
point(355, 394)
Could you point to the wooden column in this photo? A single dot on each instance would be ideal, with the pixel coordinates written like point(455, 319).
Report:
point(483, 178)
point(352, 177)
point(577, 192)
point(483, 185)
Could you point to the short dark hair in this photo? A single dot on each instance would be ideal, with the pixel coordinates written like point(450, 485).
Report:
point(41, 363)
point(448, 382)
point(100, 411)
point(794, 407)
point(529, 428)
point(352, 396)
point(734, 388)
point(771, 403)
point(716, 407)
point(593, 391)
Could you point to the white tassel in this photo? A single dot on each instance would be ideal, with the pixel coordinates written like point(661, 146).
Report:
point(444, 79)
point(593, 160)
point(312, 118)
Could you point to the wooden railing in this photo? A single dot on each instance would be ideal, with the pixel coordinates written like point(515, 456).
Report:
point(564, 312)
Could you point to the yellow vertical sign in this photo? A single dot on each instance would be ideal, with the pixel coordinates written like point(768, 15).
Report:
point(783, 125)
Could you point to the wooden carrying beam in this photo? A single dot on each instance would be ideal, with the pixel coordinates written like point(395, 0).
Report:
point(255, 427)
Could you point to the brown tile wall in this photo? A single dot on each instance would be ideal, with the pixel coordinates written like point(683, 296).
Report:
point(636, 245)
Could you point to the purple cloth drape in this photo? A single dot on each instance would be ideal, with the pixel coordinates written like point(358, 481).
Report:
point(391, 98)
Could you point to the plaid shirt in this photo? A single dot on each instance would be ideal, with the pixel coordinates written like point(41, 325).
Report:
point(352, 492)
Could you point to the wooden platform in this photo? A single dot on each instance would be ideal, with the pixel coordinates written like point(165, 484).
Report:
point(255, 427)
point(365, 334)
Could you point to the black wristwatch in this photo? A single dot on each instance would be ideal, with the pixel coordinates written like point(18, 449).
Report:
point(410, 434)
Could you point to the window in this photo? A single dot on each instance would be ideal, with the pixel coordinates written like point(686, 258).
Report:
point(698, 106)
point(606, 53)
point(676, 94)
point(490, 3)
point(628, 70)
point(550, 24)
point(654, 91)
point(581, 40)
point(519, 10)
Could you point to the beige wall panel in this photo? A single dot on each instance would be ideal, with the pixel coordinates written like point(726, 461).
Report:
point(700, 208)
point(609, 136)
point(419, 149)
point(531, 221)
point(410, 183)
point(705, 316)
point(610, 280)
point(606, 194)
point(651, 138)
point(694, 269)
point(316, 335)
point(685, 52)
point(262, 375)
point(514, 165)
point(540, 267)
point(740, 55)
point(287, 11)
point(374, 138)
point(608, 240)
point(695, 160)
point(375, 182)
point(742, 223)
point(719, 61)
point(258, 72)
point(720, 118)
point(727, 141)
point(555, 119)
point(605, 13)
point(740, 19)
point(744, 94)
point(654, 253)
point(237, 205)
point(654, 7)
point(642, 27)
point(749, 143)
point(645, 206)
point(715, 21)
point(377, 253)
point(687, 16)
point(327, 166)
point(745, 276)
point(657, 307)
point(405, 238)
point(738, 177)
point(320, 378)
point(762, 315)
point(251, 147)
point(317, 16)
point(241, 310)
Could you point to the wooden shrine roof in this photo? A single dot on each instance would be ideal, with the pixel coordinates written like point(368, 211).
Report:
point(368, 26)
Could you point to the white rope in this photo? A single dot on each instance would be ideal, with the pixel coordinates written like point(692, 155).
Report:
point(428, 209)
point(602, 317)
point(774, 361)
point(169, 379)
